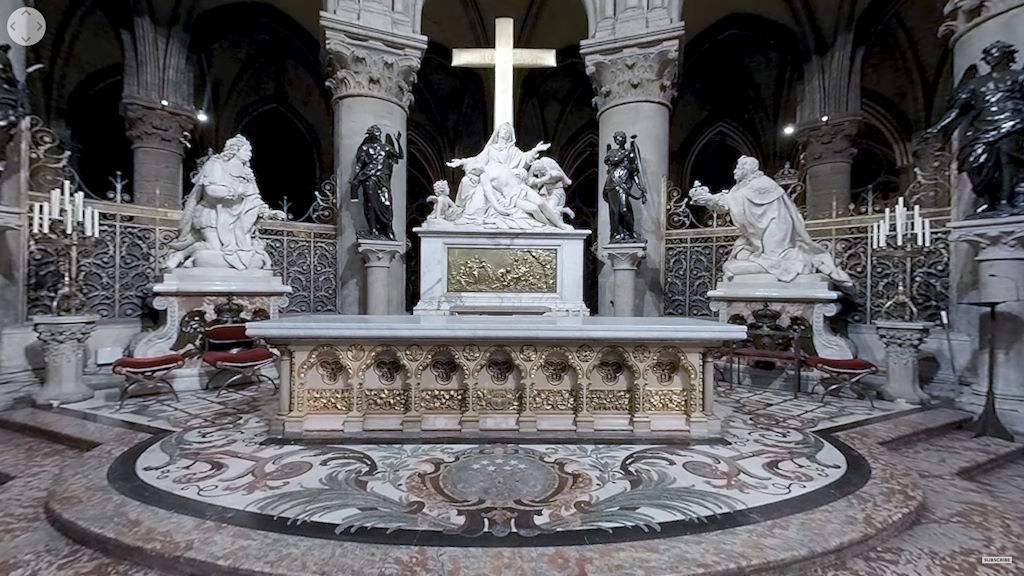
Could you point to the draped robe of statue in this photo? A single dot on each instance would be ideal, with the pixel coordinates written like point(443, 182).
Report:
point(773, 237)
point(493, 188)
point(218, 225)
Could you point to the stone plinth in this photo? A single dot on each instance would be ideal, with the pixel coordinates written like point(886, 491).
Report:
point(63, 340)
point(624, 260)
point(350, 374)
point(501, 272)
point(188, 297)
point(809, 297)
point(999, 249)
point(378, 256)
point(902, 341)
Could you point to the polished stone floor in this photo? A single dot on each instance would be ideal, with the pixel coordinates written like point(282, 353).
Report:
point(216, 463)
point(968, 512)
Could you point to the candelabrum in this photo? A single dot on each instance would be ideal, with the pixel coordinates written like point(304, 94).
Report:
point(899, 237)
point(66, 222)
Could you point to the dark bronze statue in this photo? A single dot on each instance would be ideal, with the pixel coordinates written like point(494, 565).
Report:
point(991, 107)
point(624, 172)
point(375, 161)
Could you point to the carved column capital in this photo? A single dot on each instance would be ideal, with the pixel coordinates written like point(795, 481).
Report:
point(829, 142)
point(150, 125)
point(363, 61)
point(964, 15)
point(902, 340)
point(625, 256)
point(640, 69)
point(993, 238)
point(379, 253)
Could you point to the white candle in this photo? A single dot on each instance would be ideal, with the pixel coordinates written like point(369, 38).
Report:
point(88, 221)
point(37, 213)
point(69, 220)
point(944, 317)
point(96, 223)
point(885, 228)
point(46, 217)
point(874, 235)
point(54, 204)
point(67, 188)
point(79, 205)
point(928, 232)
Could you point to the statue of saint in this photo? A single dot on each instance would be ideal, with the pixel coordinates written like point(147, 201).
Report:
point(218, 223)
point(992, 145)
point(773, 238)
point(375, 161)
point(624, 172)
point(498, 192)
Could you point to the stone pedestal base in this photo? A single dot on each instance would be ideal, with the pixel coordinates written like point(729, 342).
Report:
point(808, 297)
point(1000, 257)
point(378, 255)
point(902, 342)
point(189, 297)
point(63, 339)
point(624, 259)
point(501, 272)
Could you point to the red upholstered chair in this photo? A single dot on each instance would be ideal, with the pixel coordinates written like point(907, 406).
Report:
point(147, 372)
point(845, 373)
point(228, 348)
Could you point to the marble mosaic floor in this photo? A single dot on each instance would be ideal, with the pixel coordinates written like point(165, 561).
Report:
point(214, 463)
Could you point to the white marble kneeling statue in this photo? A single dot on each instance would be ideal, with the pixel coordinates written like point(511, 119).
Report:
point(773, 238)
point(218, 223)
point(505, 188)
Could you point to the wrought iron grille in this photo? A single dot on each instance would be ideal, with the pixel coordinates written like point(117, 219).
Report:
point(694, 257)
point(117, 273)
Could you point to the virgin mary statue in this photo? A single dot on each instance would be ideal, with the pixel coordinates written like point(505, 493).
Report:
point(218, 223)
point(494, 190)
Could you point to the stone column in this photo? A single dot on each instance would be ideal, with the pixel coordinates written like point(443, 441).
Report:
point(829, 156)
point(999, 243)
point(157, 105)
point(13, 198)
point(63, 340)
point(158, 149)
point(378, 256)
point(903, 342)
point(371, 76)
point(624, 259)
point(634, 80)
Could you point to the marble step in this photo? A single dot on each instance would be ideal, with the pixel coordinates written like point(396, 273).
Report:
point(959, 452)
point(22, 454)
point(64, 429)
point(917, 426)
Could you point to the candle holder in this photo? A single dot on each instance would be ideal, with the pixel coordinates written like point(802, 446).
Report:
point(901, 305)
point(66, 223)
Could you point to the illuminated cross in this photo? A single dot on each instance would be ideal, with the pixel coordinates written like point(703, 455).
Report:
point(504, 58)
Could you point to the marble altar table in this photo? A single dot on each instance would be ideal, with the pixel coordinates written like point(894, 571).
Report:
point(353, 374)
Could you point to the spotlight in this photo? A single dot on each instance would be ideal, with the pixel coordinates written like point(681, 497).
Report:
point(789, 129)
point(165, 103)
point(824, 118)
point(201, 116)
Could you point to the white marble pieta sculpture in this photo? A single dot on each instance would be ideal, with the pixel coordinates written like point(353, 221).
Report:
point(773, 238)
point(504, 188)
point(219, 222)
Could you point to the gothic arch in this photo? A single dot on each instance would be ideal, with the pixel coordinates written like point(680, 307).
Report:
point(724, 131)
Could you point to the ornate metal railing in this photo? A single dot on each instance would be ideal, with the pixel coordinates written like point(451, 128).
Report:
point(694, 257)
point(116, 273)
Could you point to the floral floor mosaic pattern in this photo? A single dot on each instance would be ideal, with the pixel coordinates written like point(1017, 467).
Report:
point(215, 464)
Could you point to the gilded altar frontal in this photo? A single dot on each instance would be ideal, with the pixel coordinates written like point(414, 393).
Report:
point(502, 270)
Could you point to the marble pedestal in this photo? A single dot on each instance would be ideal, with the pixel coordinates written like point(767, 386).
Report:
point(624, 260)
point(63, 340)
point(378, 256)
point(902, 341)
point(999, 245)
point(501, 272)
point(808, 297)
point(188, 297)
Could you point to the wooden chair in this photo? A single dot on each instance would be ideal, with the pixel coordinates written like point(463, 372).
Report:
point(229, 349)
